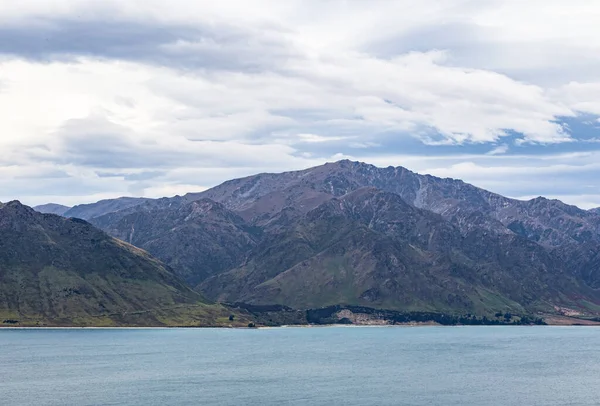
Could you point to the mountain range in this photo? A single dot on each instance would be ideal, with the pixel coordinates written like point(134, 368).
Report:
point(352, 234)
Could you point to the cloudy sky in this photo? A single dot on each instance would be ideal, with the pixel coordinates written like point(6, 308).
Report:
point(101, 99)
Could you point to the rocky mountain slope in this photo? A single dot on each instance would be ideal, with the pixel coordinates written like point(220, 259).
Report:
point(59, 271)
point(352, 233)
point(198, 239)
point(370, 248)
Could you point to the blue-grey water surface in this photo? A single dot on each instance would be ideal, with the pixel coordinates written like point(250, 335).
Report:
point(301, 366)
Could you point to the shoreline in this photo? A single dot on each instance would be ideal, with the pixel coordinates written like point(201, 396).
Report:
point(555, 320)
point(289, 326)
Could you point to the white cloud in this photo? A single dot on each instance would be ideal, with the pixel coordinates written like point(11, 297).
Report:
point(581, 97)
point(499, 150)
point(315, 138)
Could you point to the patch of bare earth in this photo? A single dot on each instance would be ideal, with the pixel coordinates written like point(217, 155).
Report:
point(555, 320)
point(362, 319)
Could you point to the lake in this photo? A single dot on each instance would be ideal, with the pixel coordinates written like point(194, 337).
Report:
point(302, 366)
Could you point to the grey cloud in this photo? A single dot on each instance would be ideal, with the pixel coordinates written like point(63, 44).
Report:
point(478, 47)
point(96, 142)
point(455, 36)
point(141, 176)
point(46, 174)
point(65, 186)
point(204, 46)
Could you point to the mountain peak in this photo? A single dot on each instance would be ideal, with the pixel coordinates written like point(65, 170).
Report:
point(349, 163)
point(14, 203)
point(358, 165)
point(16, 207)
point(52, 208)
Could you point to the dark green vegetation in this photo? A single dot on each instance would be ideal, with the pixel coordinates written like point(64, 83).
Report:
point(276, 315)
point(57, 271)
point(350, 234)
point(331, 314)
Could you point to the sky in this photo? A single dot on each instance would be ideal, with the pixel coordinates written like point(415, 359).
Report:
point(101, 99)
